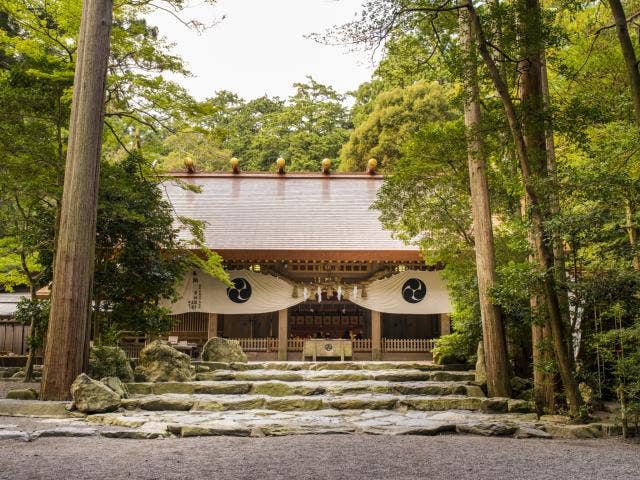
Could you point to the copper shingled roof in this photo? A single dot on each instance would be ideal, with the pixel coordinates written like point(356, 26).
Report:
point(284, 214)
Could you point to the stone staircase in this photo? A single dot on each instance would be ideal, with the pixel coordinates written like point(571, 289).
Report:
point(280, 398)
point(290, 386)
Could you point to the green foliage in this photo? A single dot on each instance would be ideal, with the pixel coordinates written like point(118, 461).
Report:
point(138, 254)
point(109, 361)
point(34, 313)
point(619, 348)
point(394, 116)
point(452, 348)
point(309, 126)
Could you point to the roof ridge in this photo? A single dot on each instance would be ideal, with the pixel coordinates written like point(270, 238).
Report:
point(307, 175)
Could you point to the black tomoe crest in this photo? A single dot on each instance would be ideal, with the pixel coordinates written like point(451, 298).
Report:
point(414, 290)
point(240, 292)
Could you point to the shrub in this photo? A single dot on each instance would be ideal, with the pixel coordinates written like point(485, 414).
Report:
point(452, 348)
point(107, 361)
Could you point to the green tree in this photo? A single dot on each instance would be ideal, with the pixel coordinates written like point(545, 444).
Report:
point(309, 126)
point(394, 116)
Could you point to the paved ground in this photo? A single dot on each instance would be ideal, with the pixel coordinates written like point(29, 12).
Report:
point(327, 456)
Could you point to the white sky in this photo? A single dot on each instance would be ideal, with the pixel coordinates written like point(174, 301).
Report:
point(259, 48)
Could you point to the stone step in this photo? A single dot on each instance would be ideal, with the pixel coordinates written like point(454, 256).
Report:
point(200, 402)
point(202, 366)
point(259, 423)
point(278, 388)
point(397, 375)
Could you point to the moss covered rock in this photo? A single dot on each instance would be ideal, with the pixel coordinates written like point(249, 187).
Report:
point(22, 394)
point(160, 362)
point(109, 362)
point(115, 384)
point(91, 396)
point(222, 350)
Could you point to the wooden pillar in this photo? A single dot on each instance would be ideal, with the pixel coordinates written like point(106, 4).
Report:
point(283, 324)
point(445, 324)
point(376, 336)
point(212, 325)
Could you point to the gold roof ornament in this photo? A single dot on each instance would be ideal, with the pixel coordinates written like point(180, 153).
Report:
point(188, 163)
point(234, 162)
point(372, 164)
point(280, 162)
point(326, 166)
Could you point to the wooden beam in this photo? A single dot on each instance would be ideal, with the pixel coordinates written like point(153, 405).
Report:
point(445, 324)
point(376, 335)
point(212, 325)
point(283, 334)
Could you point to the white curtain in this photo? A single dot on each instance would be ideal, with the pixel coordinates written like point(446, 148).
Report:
point(408, 292)
point(425, 291)
point(254, 293)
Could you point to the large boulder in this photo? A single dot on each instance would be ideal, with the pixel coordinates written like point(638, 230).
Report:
point(115, 384)
point(91, 396)
point(110, 362)
point(160, 362)
point(222, 350)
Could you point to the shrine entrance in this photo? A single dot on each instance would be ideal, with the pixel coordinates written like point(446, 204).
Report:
point(329, 319)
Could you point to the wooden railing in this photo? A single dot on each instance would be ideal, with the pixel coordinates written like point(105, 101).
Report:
point(132, 349)
point(295, 344)
point(361, 345)
point(258, 344)
point(407, 344)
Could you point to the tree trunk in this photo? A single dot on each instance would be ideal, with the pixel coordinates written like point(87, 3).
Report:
point(543, 252)
point(632, 231)
point(544, 386)
point(74, 262)
point(628, 53)
point(543, 381)
point(631, 62)
point(554, 201)
point(493, 336)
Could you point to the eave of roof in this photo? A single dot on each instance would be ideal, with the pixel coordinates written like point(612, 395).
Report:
point(409, 256)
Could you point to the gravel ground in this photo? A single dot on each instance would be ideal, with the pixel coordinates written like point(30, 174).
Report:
point(6, 385)
point(329, 456)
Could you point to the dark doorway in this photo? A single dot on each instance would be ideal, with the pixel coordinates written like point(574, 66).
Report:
point(410, 326)
point(329, 318)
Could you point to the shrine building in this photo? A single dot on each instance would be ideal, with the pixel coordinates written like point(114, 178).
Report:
point(309, 258)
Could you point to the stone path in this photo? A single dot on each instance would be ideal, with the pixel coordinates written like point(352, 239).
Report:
point(293, 398)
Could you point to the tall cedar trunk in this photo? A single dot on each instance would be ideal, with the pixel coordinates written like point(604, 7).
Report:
point(633, 73)
point(493, 336)
point(554, 200)
point(543, 382)
point(632, 231)
point(543, 252)
point(544, 385)
point(536, 136)
point(628, 53)
point(70, 295)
